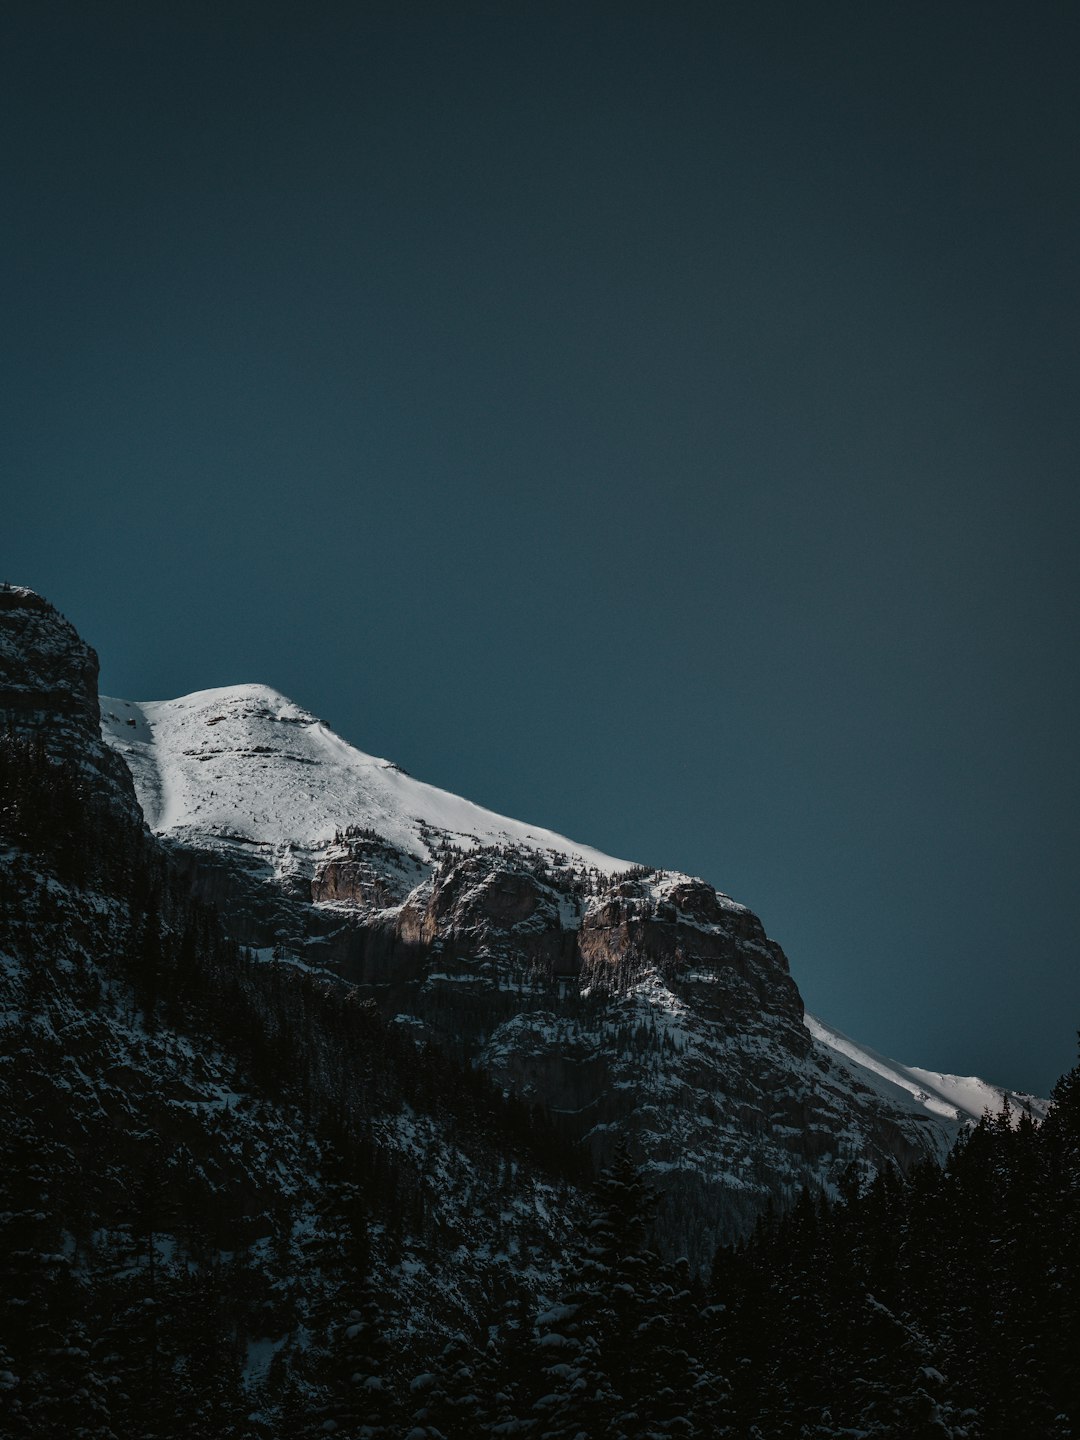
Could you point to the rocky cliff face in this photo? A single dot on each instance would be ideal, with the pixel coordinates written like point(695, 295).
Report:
point(644, 1004)
point(49, 691)
point(650, 1007)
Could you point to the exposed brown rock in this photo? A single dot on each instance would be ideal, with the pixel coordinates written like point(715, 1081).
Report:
point(354, 882)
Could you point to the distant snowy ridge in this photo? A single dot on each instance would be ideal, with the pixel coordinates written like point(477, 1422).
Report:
point(244, 765)
point(955, 1099)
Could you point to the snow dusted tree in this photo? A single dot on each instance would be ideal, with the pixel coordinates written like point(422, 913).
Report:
point(446, 1400)
point(596, 1347)
point(1057, 1215)
point(366, 1386)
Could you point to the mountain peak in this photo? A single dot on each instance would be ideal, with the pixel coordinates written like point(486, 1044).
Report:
point(21, 597)
point(245, 765)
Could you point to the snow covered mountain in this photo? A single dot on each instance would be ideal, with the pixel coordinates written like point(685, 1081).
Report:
point(622, 1000)
point(615, 1001)
point(245, 766)
point(339, 1181)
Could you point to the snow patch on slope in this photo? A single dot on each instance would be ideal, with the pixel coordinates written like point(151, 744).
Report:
point(246, 766)
point(956, 1099)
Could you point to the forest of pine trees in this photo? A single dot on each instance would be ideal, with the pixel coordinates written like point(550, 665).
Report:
point(137, 1259)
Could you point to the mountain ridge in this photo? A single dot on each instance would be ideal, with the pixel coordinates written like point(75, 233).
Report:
point(258, 711)
point(626, 1003)
point(367, 789)
point(365, 873)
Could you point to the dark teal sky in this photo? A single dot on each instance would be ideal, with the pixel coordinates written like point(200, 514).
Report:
point(656, 421)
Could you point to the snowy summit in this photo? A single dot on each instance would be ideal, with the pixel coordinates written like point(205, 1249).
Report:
point(245, 766)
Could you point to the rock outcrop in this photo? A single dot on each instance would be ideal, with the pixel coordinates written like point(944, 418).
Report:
point(49, 692)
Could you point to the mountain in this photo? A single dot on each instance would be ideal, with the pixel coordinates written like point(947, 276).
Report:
point(334, 1104)
point(625, 1001)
